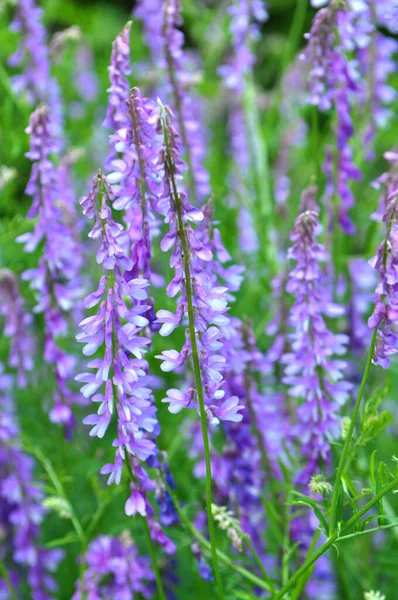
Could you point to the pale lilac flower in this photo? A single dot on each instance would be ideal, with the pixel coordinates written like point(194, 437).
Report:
point(209, 301)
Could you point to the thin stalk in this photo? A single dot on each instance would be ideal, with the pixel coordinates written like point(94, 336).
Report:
point(10, 587)
point(332, 539)
point(196, 364)
point(203, 541)
point(155, 567)
point(259, 563)
point(344, 454)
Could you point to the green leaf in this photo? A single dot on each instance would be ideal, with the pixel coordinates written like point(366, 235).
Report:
point(317, 511)
point(372, 469)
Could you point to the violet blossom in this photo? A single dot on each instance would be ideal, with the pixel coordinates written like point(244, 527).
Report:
point(385, 314)
point(312, 373)
point(55, 280)
point(162, 20)
point(119, 383)
point(333, 81)
point(115, 569)
point(209, 303)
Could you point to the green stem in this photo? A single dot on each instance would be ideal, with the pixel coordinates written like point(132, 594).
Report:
point(195, 358)
point(203, 541)
point(332, 539)
point(152, 552)
point(344, 454)
point(259, 563)
point(10, 587)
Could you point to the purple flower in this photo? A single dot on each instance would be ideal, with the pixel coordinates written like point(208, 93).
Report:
point(56, 279)
point(312, 373)
point(333, 83)
point(385, 315)
point(209, 301)
point(115, 569)
point(162, 20)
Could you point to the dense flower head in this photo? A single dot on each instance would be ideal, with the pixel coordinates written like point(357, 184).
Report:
point(21, 511)
point(56, 279)
point(137, 175)
point(115, 569)
point(162, 21)
point(312, 373)
point(385, 314)
point(197, 298)
point(118, 92)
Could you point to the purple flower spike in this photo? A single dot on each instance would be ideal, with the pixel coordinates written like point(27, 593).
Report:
point(311, 372)
point(333, 83)
point(209, 300)
point(56, 279)
point(385, 314)
point(162, 20)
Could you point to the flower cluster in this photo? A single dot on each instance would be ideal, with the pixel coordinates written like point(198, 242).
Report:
point(56, 280)
point(162, 21)
point(21, 511)
point(385, 315)
point(311, 372)
point(115, 569)
point(204, 305)
point(333, 81)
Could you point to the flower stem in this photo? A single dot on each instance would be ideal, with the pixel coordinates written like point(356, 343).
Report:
point(260, 565)
point(195, 359)
point(332, 539)
point(155, 567)
point(343, 458)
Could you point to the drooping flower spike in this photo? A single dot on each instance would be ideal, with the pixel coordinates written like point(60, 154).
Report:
point(313, 374)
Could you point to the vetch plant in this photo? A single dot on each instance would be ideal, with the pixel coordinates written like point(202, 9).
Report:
point(224, 293)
